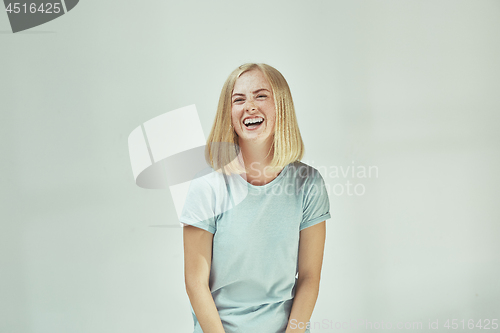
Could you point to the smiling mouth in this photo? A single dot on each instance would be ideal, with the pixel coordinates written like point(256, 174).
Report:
point(254, 125)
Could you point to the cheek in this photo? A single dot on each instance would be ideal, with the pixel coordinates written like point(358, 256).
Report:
point(234, 116)
point(271, 116)
point(273, 123)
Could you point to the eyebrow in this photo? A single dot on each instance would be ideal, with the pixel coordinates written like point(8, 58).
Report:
point(255, 92)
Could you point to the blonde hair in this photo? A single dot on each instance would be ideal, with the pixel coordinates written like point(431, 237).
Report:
point(222, 152)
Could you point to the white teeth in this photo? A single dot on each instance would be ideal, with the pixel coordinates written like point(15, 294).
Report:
point(254, 120)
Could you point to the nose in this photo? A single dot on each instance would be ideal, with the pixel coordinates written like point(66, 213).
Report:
point(250, 105)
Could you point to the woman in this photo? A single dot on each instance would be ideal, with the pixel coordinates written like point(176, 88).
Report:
point(245, 241)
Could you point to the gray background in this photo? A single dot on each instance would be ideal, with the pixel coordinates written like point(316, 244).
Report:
point(408, 86)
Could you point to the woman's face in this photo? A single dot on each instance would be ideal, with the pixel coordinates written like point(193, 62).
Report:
point(253, 100)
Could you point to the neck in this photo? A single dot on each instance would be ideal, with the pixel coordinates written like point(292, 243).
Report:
point(256, 156)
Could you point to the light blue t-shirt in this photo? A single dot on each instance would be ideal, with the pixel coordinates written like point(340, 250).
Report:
point(256, 241)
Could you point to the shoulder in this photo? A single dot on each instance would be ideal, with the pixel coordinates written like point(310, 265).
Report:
point(309, 182)
point(205, 196)
point(305, 175)
point(206, 187)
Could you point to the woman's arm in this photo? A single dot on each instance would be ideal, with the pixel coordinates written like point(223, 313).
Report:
point(197, 263)
point(311, 248)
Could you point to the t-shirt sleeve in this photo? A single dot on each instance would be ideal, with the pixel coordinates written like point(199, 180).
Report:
point(199, 207)
point(316, 204)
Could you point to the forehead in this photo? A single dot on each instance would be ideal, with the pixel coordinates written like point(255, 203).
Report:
point(251, 81)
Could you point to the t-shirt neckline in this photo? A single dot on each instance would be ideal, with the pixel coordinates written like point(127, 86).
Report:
point(268, 185)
